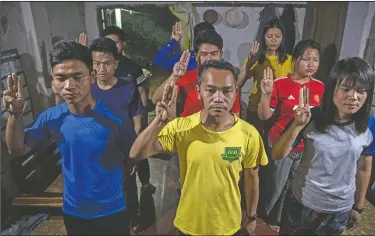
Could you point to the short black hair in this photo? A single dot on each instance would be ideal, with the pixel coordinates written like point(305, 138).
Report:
point(105, 45)
point(115, 31)
point(69, 50)
point(203, 26)
point(208, 37)
point(219, 65)
point(353, 73)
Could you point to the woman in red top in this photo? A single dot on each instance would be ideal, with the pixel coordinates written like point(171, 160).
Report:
point(279, 99)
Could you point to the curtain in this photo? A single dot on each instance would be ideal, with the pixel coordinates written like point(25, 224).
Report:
point(189, 17)
point(325, 23)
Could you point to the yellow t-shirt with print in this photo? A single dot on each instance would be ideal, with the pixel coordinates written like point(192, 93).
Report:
point(279, 70)
point(210, 166)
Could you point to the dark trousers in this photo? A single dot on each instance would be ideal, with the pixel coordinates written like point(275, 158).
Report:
point(116, 224)
point(298, 219)
point(131, 190)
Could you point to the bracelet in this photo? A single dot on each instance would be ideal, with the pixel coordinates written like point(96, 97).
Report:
point(354, 208)
point(252, 218)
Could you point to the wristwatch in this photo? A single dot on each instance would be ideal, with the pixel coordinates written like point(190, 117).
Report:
point(252, 218)
point(357, 209)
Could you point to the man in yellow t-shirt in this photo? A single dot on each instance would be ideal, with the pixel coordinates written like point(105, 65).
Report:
point(213, 146)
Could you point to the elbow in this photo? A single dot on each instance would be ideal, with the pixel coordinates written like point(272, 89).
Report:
point(262, 114)
point(136, 154)
point(276, 154)
point(154, 99)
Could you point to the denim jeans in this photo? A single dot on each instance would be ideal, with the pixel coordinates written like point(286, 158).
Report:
point(298, 219)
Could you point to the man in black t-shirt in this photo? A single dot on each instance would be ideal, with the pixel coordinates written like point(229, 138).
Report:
point(130, 71)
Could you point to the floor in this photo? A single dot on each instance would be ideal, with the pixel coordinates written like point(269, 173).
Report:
point(158, 210)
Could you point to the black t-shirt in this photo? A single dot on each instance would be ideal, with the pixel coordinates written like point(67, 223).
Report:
point(130, 71)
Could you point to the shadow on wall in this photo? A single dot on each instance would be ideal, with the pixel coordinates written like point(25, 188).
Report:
point(328, 59)
point(243, 51)
point(39, 101)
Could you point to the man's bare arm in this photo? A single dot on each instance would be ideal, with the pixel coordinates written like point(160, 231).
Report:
point(15, 135)
point(362, 180)
point(251, 190)
point(137, 120)
point(146, 144)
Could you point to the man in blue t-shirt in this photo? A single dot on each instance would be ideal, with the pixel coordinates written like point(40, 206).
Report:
point(93, 142)
point(123, 99)
point(170, 53)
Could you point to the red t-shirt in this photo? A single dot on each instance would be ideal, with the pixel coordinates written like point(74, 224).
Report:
point(192, 103)
point(285, 99)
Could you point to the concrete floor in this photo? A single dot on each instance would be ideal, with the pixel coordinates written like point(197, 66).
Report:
point(158, 210)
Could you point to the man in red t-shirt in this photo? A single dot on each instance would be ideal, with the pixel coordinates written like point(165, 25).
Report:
point(208, 45)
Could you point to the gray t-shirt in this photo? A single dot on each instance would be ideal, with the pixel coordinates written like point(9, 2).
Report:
point(325, 179)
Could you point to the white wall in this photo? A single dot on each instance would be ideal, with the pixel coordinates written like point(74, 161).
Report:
point(16, 28)
point(65, 19)
point(366, 34)
point(357, 28)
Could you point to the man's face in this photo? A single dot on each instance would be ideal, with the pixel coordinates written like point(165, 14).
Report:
point(208, 52)
point(72, 80)
point(119, 43)
point(217, 91)
point(105, 65)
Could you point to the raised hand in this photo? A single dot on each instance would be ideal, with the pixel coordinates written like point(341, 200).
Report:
point(254, 50)
point(82, 39)
point(177, 31)
point(13, 99)
point(166, 108)
point(266, 84)
point(303, 114)
point(180, 68)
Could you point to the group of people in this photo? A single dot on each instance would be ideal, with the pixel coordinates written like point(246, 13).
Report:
point(310, 143)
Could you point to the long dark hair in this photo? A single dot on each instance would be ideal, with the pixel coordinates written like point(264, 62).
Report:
point(274, 23)
point(353, 73)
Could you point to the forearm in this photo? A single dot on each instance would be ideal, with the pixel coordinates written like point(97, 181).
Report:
point(283, 145)
point(158, 95)
point(242, 77)
point(251, 193)
point(143, 92)
point(264, 109)
point(144, 147)
point(15, 135)
point(137, 120)
point(362, 182)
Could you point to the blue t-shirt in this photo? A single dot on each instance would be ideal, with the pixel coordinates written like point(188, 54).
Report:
point(93, 148)
point(370, 150)
point(168, 56)
point(122, 99)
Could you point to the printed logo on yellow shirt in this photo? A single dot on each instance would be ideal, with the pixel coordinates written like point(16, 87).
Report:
point(231, 153)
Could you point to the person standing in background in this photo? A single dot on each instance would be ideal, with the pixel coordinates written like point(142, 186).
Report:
point(269, 53)
point(279, 99)
point(170, 53)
